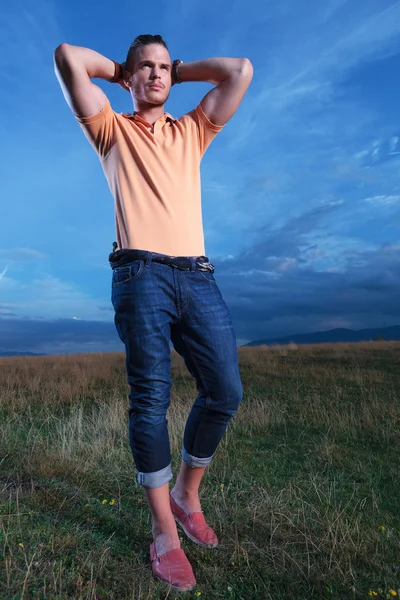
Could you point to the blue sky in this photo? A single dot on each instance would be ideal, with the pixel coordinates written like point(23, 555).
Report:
point(301, 190)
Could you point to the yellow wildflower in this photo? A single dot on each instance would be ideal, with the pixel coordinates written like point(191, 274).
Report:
point(372, 593)
point(392, 592)
point(198, 593)
point(112, 501)
point(221, 485)
point(381, 528)
point(21, 545)
point(104, 501)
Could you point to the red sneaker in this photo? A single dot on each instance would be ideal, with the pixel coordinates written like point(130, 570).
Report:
point(194, 525)
point(173, 567)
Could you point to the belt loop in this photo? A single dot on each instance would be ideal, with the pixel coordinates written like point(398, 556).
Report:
point(192, 263)
point(148, 260)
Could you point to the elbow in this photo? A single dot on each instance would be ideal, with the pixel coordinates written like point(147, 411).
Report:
point(60, 50)
point(246, 68)
point(243, 69)
point(60, 57)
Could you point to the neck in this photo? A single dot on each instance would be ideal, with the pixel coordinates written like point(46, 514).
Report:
point(149, 112)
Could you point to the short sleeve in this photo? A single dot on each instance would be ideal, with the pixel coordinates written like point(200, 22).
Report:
point(206, 129)
point(100, 129)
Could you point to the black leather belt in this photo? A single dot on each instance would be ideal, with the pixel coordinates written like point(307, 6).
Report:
point(117, 258)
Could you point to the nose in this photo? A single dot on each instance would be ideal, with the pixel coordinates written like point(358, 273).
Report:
point(155, 73)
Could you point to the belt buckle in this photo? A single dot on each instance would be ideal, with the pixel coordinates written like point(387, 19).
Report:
point(208, 266)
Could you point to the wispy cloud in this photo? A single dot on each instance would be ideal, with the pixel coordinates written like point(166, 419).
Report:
point(31, 30)
point(366, 292)
point(322, 42)
point(58, 336)
point(384, 200)
point(50, 297)
point(364, 34)
point(2, 274)
point(20, 255)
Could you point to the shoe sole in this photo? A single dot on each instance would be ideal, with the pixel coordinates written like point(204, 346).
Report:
point(196, 541)
point(175, 587)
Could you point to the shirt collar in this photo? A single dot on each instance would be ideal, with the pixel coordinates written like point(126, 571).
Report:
point(165, 117)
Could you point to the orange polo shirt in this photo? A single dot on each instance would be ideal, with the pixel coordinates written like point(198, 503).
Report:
point(154, 177)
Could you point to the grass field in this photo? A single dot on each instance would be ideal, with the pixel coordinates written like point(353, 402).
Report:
point(303, 491)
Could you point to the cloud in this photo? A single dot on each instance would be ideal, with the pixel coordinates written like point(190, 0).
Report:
point(378, 152)
point(364, 34)
point(48, 296)
point(20, 255)
point(301, 277)
point(29, 30)
point(296, 87)
point(383, 200)
point(58, 336)
point(297, 136)
point(364, 294)
point(7, 313)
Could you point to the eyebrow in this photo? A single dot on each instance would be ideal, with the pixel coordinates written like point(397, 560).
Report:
point(143, 62)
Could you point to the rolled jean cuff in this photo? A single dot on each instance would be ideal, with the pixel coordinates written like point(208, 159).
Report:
point(155, 479)
point(193, 461)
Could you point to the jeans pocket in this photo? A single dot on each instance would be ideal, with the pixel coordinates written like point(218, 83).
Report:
point(127, 273)
point(207, 275)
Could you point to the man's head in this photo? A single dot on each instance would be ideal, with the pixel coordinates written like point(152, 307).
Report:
point(149, 64)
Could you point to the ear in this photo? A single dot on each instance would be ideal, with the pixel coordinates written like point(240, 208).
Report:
point(127, 77)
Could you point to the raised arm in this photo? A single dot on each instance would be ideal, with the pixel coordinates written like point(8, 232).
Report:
point(75, 66)
point(231, 77)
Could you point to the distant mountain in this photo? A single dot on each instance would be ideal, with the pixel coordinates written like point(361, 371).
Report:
point(334, 335)
point(21, 354)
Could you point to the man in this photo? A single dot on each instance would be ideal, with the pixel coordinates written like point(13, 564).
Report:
point(163, 287)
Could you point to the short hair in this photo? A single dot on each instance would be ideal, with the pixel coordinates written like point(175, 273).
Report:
point(142, 40)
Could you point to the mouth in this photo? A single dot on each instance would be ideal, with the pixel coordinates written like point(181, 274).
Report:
point(156, 87)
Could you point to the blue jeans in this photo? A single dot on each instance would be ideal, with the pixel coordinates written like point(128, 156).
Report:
point(155, 303)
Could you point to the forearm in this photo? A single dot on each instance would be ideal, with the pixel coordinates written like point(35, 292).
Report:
point(95, 64)
point(212, 70)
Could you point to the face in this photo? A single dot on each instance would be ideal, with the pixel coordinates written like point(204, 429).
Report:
point(151, 77)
